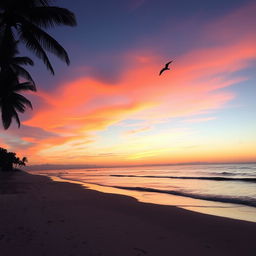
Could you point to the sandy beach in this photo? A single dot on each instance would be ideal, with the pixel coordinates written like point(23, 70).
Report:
point(41, 217)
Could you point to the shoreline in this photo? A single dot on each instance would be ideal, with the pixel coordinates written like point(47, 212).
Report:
point(221, 209)
point(43, 217)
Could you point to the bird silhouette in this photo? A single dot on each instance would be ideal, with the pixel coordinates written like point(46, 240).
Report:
point(166, 67)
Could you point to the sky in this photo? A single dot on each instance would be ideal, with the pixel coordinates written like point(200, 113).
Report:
point(111, 107)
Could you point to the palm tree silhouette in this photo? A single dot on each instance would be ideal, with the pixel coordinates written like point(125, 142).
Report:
point(23, 161)
point(12, 64)
point(27, 19)
point(8, 159)
point(11, 102)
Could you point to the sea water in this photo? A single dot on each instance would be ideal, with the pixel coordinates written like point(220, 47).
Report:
point(227, 190)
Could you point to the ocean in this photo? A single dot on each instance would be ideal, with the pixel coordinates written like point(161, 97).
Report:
point(227, 190)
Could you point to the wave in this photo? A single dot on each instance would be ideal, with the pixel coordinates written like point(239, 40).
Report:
point(241, 200)
point(248, 201)
point(217, 178)
point(234, 173)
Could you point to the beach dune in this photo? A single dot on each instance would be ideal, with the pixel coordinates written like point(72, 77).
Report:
point(41, 217)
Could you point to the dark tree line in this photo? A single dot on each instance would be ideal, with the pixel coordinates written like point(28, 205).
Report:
point(25, 21)
point(9, 160)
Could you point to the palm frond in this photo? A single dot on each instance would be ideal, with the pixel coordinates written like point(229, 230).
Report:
point(22, 4)
point(27, 17)
point(8, 45)
point(44, 2)
point(32, 43)
point(20, 71)
point(12, 102)
point(17, 105)
point(26, 86)
point(6, 117)
point(21, 99)
point(45, 40)
point(51, 16)
point(16, 117)
point(23, 61)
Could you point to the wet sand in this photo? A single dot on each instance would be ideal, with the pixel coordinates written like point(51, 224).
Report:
point(41, 217)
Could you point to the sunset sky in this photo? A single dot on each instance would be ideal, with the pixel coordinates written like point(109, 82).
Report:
point(110, 106)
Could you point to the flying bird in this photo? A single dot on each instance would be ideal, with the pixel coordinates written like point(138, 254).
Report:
point(166, 67)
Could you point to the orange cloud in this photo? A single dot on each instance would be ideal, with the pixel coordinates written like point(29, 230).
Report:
point(198, 83)
point(86, 100)
point(3, 145)
point(76, 109)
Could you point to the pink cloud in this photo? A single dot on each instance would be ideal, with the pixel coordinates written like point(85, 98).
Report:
point(191, 87)
point(138, 130)
point(77, 109)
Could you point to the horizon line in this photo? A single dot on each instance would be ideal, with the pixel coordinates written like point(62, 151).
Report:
point(76, 166)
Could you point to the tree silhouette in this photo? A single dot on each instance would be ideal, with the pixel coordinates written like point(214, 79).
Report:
point(23, 161)
point(27, 20)
point(11, 102)
point(8, 159)
point(10, 63)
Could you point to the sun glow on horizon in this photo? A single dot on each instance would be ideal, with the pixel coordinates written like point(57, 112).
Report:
point(192, 113)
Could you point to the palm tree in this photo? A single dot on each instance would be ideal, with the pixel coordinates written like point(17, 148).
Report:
point(27, 20)
point(11, 102)
point(23, 161)
point(10, 72)
point(12, 64)
point(8, 159)
point(16, 162)
point(3, 157)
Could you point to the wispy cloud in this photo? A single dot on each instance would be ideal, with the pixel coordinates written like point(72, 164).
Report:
point(87, 105)
point(199, 120)
point(138, 130)
point(200, 82)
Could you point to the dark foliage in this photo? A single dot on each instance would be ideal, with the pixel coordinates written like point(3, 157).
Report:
point(11, 101)
point(25, 21)
point(27, 18)
point(8, 160)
